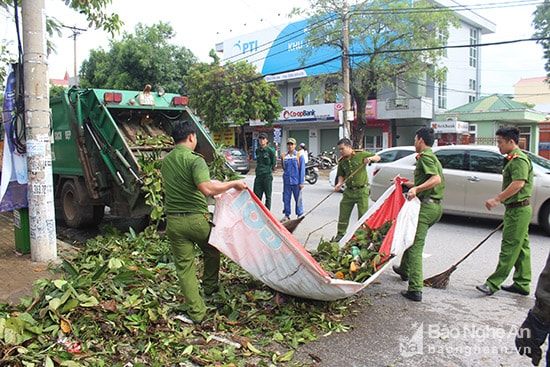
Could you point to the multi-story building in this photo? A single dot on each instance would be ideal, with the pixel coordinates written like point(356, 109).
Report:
point(395, 114)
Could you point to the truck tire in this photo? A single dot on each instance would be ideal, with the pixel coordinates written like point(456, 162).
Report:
point(74, 214)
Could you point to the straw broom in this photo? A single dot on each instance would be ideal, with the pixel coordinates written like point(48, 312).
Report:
point(291, 225)
point(441, 280)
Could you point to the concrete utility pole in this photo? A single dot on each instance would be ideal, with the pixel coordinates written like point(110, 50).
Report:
point(348, 113)
point(37, 126)
point(76, 33)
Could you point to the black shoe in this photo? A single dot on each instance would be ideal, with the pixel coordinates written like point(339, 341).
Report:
point(412, 295)
point(484, 288)
point(513, 289)
point(404, 277)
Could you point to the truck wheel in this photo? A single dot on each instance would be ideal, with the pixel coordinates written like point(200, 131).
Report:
point(74, 214)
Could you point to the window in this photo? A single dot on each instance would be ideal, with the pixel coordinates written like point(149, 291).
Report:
point(473, 50)
point(443, 40)
point(296, 99)
point(524, 137)
point(442, 95)
point(483, 161)
point(471, 99)
point(451, 159)
point(472, 84)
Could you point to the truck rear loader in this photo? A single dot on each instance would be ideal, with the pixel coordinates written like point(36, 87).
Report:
point(97, 136)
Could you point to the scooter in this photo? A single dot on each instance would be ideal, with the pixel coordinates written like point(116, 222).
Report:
point(312, 172)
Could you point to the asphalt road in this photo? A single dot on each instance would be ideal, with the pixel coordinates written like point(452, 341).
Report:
point(458, 326)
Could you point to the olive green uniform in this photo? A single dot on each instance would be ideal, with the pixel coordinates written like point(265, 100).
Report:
point(427, 165)
point(187, 224)
point(514, 248)
point(263, 182)
point(356, 192)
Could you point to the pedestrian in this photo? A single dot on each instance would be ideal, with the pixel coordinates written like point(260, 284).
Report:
point(266, 160)
point(188, 222)
point(294, 171)
point(517, 185)
point(536, 327)
point(428, 187)
point(357, 190)
point(304, 152)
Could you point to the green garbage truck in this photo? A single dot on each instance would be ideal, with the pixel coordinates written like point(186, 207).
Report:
point(95, 149)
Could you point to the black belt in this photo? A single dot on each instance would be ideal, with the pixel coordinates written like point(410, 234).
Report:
point(519, 204)
point(430, 201)
point(357, 187)
point(182, 214)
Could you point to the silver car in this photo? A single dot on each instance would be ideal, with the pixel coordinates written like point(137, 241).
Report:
point(473, 174)
point(237, 159)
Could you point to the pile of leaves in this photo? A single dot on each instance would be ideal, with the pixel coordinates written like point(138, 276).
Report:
point(116, 303)
point(359, 258)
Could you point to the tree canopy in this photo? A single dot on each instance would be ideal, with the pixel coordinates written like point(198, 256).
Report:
point(388, 40)
point(94, 10)
point(234, 92)
point(138, 59)
point(541, 22)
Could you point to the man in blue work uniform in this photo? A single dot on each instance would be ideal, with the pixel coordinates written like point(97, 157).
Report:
point(517, 185)
point(187, 182)
point(294, 172)
point(428, 186)
point(357, 190)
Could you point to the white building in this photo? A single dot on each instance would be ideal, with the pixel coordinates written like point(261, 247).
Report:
point(392, 118)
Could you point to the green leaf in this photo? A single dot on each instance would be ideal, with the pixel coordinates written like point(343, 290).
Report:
point(48, 362)
point(253, 349)
point(54, 304)
point(59, 283)
point(287, 357)
point(115, 263)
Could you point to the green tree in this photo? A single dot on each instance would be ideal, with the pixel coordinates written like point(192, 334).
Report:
point(146, 57)
point(95, 11)
point(234, 93)
point(388, 39)
point(541, 22)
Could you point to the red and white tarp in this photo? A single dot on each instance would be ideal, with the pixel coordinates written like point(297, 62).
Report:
point(247, 233)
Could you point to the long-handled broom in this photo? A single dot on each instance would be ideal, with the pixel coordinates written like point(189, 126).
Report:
point(441, 280)
point(293, 223)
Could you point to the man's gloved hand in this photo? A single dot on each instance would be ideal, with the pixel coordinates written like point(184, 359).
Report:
point(531, 335)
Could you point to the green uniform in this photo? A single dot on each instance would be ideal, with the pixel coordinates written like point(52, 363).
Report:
point(427, 165)
point(356, 192)
point(263, 182)
point(514, 248)
point(188, 224)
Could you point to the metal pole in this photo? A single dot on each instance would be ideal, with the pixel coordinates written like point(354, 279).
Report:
point(74, 65)
point(345, 72)
point(37, 125)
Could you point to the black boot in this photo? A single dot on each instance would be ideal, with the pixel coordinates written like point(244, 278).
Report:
point(412, 295)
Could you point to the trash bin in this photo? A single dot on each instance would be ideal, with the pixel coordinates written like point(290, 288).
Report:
point(21, 230)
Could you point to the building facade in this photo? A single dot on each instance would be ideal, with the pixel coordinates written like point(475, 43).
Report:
point(395, 114)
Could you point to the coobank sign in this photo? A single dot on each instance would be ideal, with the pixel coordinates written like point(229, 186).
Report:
point(308, 113)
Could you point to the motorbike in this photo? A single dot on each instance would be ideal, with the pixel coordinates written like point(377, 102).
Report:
point(328, 160)
point(312, 172)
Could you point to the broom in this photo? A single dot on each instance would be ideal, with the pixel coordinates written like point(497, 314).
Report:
point(441, 280)
point(291, 225)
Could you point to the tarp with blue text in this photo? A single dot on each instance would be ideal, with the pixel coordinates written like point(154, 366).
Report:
point(247, 232)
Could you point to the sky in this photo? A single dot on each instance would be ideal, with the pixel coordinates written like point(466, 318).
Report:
point(199, 25)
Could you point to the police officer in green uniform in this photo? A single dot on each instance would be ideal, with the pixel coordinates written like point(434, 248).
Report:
point(517, 185)
point(357, 191)
point(266, 160)
point(187, 182)
point(428, 186)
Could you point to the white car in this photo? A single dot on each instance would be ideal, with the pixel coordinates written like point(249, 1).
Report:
point(473, 174)
point(386, 156)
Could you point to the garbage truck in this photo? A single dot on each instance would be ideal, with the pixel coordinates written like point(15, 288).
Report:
point(95, 149)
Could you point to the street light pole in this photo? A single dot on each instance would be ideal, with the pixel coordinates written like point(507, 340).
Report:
point(348, 113)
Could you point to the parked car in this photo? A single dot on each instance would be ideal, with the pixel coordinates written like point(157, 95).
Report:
point(386, 156)
point(473, 174)
point(237, 159)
